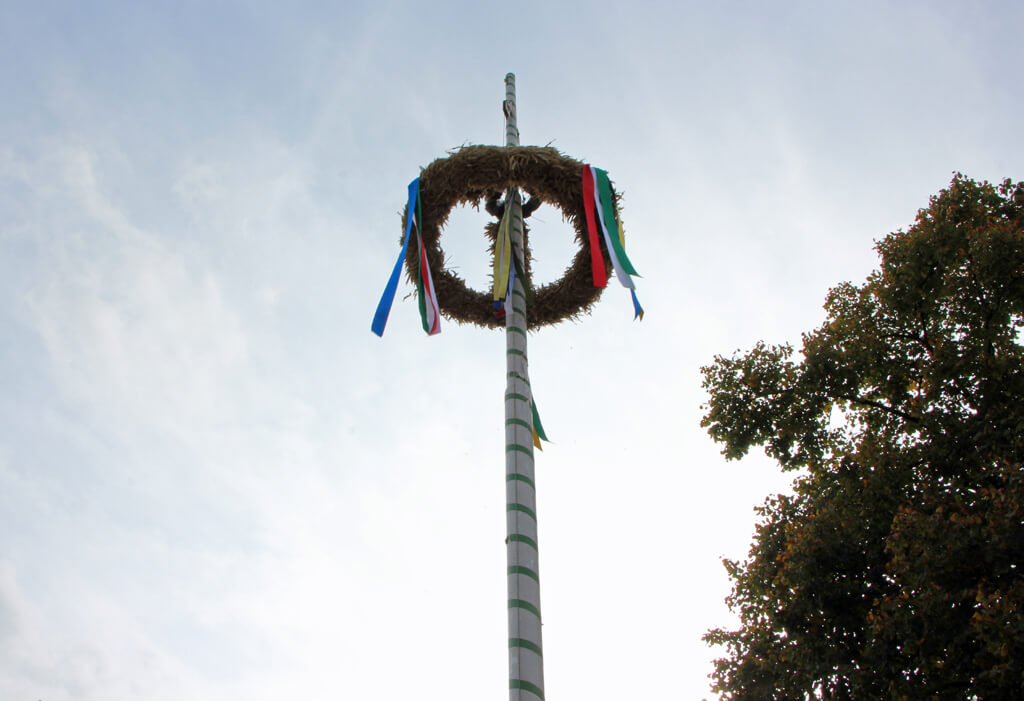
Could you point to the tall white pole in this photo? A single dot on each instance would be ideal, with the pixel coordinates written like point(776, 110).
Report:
point(525, 658)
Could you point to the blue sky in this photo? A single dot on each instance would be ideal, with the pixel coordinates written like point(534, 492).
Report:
point(216, 483)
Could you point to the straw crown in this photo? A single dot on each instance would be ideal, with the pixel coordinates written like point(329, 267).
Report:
point(471, 174)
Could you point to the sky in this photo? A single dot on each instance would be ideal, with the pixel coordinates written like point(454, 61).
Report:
point(216, 483)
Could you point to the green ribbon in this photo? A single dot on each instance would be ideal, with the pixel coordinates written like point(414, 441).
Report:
point(610, 220)
point(538, 428)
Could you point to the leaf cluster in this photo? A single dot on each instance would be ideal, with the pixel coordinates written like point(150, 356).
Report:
point(894, 570)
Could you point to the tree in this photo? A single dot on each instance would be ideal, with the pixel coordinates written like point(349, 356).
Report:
point(896, 567)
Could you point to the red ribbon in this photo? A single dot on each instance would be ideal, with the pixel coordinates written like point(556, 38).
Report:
point(596, 260)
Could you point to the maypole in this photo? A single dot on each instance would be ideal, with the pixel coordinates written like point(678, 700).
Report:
point(586, 198)
point(525, 658)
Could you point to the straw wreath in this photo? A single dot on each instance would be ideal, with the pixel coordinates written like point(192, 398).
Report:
point(473, 174)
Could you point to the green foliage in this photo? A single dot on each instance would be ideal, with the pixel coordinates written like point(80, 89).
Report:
point(896, 568)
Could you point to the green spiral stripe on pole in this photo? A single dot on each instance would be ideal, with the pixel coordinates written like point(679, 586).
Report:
point(520, 604)
point(520, 538)
point(520, 478)
point(524, 509)
point(526, 645)
point(526, 686)
point(519, 569)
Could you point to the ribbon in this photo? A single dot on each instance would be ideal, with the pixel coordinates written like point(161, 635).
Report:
point(503, 253)
point(606, 215)
point(430, 312)
point(380, 317)
point(597, 195)
point(517, 269)
point(538, 427)
point(499, 305)
point(638, 311)
point(596, 259)
point(508, 261)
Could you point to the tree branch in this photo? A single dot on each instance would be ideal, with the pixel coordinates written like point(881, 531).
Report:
point(878, 405)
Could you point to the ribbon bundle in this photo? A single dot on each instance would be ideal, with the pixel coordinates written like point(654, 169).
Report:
point(503, 272)
point(597, 197)
point(508, 262)
point(430, 312)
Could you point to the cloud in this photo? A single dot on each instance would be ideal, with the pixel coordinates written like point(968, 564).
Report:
point(41, 659)
point(131, 326)
point(190, 497)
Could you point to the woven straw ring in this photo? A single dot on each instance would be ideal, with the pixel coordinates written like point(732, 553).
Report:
point(468, 176)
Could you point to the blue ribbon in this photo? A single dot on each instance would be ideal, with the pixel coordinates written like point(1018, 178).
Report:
point(511, 279)
point(380, 318)
point(638, 311)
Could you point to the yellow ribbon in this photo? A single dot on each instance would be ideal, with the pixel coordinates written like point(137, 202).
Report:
point(503, 252)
